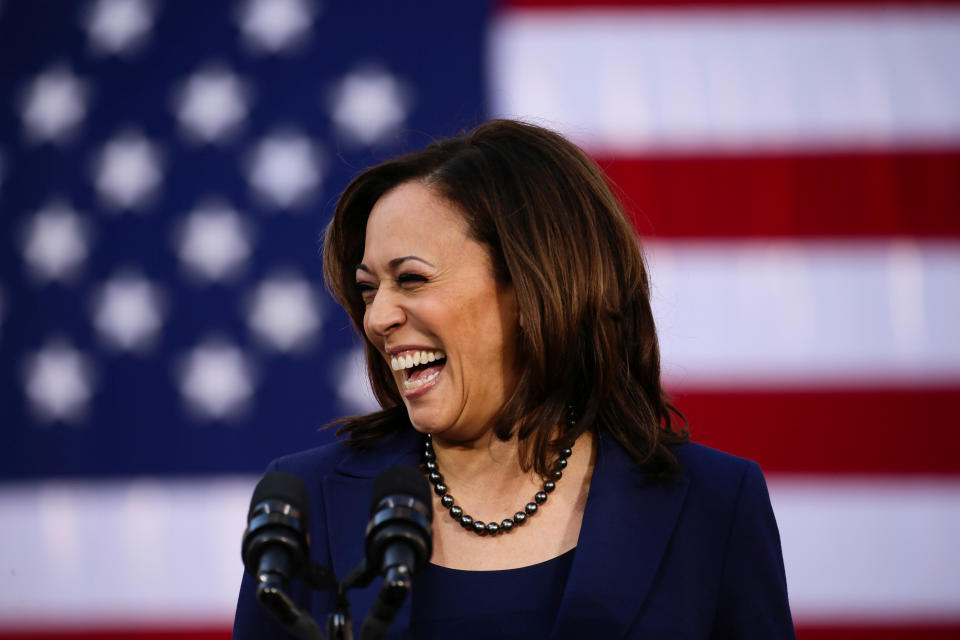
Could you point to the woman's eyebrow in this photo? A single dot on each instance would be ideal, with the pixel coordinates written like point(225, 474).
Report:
point(393, 264)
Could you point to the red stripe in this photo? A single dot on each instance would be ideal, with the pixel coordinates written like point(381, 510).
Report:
point(838, 432)
point(847, 195)
point(120, 633)
point(919, 632)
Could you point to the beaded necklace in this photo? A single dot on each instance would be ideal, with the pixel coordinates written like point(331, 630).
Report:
point(479, 527)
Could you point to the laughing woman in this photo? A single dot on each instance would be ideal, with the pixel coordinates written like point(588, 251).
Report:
point(505, 307)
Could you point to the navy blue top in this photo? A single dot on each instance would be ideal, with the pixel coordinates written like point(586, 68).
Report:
point(694, 557)
point(511, 603)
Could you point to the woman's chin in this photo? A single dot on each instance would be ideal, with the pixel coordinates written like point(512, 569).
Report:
point(423, 419)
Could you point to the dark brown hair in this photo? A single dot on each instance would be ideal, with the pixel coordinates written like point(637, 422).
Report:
point(556, 231)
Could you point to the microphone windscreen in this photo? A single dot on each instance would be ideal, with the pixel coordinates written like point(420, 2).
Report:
point(400, 480)
point(282, 486)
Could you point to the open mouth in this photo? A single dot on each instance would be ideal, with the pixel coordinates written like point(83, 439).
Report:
point(418, 367)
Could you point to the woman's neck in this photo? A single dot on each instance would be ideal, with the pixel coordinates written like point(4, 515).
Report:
point(487, 482)
point(486, 465)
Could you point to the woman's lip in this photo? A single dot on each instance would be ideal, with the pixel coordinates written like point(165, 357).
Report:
point(392, 351)
point(411, 394)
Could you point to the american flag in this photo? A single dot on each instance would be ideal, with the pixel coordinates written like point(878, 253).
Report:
point(166, 169)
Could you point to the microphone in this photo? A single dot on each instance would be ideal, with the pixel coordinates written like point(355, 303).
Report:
point(276, 547)
point(275, 542)
point(398, 542)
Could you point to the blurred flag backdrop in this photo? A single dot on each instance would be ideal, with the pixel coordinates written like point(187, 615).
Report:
point(167, 168)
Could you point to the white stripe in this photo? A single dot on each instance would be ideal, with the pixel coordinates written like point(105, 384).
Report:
point(155, 552)
point(874, 550)
point(167, 553)
point(813, 314)
point(628, 81)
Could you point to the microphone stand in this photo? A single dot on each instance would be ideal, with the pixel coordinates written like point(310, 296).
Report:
point(271, 592)
point(339, 626)
point(398, 541)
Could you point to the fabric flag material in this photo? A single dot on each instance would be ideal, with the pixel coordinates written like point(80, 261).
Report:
point(166, 170)
point(794, 170)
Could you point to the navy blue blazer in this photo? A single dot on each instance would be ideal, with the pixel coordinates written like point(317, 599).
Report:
point(698, 557)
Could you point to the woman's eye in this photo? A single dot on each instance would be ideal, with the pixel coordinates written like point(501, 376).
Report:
point(408, 278)
point(366, 290)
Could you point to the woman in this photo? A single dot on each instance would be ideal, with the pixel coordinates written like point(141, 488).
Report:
point(505, 305)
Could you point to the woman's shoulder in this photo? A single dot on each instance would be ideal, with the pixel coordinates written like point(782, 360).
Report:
point(320, 460)
point(698, 459)
point(340, 456)
point(718, 475)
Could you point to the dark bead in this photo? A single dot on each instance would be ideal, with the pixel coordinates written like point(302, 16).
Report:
point(549, 486)
point(429, 455)
point(519, 518)
point(430, 465)
point(561, 463)
point(493, 528)
point(466, 521)
point(440, 488)
point(531, 508)
point(480, 528)
point(566, 453)
point(540, 497)
point(435, 477)
point(557, 474)
point(447, 500)
point(506, 525)
point(456, 512)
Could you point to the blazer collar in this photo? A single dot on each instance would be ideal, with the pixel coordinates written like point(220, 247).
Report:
point(626, 526)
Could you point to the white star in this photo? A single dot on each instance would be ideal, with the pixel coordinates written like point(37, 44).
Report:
point(55, 243)
point(58, 381)
point(128, 312)
point(213, 243)
point(283, 312)
point(284, 169)
point(54, 105)
point(353, 386)
point(274, 25)
point(368, 105)
point(216, 380)
point(119, 26)
point(127, 171)
point(212, 104)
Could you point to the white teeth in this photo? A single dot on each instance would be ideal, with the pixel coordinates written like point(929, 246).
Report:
point(412, 359)
point(416, 384)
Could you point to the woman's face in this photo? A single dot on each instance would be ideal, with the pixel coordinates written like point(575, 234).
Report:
point(437, 314)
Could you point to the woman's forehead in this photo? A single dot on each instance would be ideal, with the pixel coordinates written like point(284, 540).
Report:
point(411, 218)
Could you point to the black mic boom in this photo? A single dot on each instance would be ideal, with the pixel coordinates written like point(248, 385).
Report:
point(399, 540)
point(276, 547)
point(275, 541)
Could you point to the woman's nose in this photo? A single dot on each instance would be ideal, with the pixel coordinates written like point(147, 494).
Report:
point(383, 314)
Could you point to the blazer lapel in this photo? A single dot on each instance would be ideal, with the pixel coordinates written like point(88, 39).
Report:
point(347, 511)
point(626, 526)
